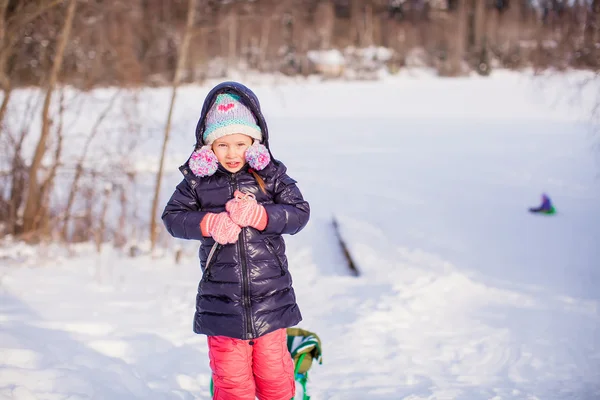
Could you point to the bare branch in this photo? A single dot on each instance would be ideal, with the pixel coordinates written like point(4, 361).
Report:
point(80, 163)
point(176, 80)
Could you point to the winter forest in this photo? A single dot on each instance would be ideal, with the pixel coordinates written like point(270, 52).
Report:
point(60, 45)
point(422, 132)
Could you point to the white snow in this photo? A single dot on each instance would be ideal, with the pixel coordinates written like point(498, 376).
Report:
point(326, 57)
point(463, 294)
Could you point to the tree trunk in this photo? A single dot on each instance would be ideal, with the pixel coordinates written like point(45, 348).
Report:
point(4, 106)
point(176, 80)
point(18, 184)
point(325, 23)
point(4, 80)
point(368, 36)
point(265, 32)
point(9, 38)
point(232, 41)
point(84, 231)
point(17, 187)
point(121, 234)
point(457, 45)
point(592, 28)
point(4, 83)
point(99, 234)
point(479, 26)
point(71, 200)
point(46, 187)
point(356, 23)
point(29, 220)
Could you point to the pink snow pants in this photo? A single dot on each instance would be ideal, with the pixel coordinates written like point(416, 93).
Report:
point(244, 369)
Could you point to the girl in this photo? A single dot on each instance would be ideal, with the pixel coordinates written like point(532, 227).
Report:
point(238, 201)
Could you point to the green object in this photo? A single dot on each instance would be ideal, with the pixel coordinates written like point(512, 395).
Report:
point(304, 347)
point(301, 377)
point(551, 211)
point(299, 342)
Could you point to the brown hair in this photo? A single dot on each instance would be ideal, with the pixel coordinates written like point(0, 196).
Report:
point(259, 180)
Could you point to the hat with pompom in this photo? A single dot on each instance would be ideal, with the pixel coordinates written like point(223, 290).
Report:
point(229, 116)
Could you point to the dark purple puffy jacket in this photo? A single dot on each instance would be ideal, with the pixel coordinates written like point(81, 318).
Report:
point(246, 288)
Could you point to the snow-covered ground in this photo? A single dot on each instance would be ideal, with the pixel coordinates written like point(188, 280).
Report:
point(463, 294)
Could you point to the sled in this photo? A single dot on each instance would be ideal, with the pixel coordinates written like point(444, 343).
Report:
point(304, 347)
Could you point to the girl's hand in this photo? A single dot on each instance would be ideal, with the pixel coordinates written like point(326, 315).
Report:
point(220, 227)
point(245, 211)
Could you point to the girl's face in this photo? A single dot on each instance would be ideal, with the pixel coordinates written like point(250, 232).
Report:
point(231, 151)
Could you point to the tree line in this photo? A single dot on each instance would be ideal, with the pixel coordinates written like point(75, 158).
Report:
point(136, 42)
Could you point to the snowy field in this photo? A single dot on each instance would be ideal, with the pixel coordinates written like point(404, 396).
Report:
point(463, 294)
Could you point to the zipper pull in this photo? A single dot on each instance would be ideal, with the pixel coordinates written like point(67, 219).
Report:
point(216, 247)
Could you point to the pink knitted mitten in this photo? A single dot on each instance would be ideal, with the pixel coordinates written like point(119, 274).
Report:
point(245, 211)
point(220, 227)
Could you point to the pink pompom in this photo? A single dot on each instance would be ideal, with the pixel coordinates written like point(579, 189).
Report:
point(258, 156)
point(203, 162)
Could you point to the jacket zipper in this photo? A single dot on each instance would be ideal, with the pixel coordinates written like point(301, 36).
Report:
point(245, 286)
point(271, 249)
point(213, 253)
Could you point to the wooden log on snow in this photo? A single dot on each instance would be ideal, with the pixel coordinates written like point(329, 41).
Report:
point(349, 260)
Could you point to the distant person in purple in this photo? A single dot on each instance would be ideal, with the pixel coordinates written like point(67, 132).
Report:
point(545, 208)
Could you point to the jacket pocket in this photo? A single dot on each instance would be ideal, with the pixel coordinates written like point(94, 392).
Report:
point(214, 250)
point(271, 248)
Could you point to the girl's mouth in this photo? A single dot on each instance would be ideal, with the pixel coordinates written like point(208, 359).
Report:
point(234, 164)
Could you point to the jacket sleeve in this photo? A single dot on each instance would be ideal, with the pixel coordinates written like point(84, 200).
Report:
point(181, 215)
point(290, 212)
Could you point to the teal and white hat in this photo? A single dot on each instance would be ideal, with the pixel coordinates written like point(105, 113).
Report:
point(228, 116)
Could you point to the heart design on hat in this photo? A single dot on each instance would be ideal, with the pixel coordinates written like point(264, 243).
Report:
point(226, 107)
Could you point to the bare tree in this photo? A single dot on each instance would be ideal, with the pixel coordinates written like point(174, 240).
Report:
point(29, 220)
point(120, 236)
point(232, 36)
point(325, 22)
point(592, 32)
point(13, 143)
point(79, 167)
point(362, 22)
point(99, 233)
point(11, 26)
point(457, 22)
point(479, 35)
point(4, 80)
point(43, 213)
point(181, 62)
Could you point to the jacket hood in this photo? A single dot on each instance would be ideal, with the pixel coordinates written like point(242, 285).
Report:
point(248, 98)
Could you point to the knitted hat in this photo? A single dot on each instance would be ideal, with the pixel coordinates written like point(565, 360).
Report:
point(228, 116)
